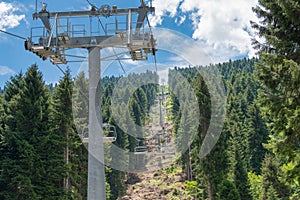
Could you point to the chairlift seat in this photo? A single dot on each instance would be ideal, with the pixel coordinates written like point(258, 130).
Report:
point(141, 148)
point(107, 128)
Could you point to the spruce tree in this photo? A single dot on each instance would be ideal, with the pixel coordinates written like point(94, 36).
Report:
point(62, 122)
point(72, 151)
point(271, 181)
point(213, 168)
point(30, 164)
point(228, 191)
point(116, 178)
point(13, 88)
point(78, 164)
point(279, 72)
point(2, 125)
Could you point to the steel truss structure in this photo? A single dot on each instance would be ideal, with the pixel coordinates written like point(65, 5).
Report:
point(63, 31)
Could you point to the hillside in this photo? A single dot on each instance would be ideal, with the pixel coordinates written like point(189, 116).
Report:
point(38, 132)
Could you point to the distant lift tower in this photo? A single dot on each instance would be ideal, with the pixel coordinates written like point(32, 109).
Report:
point(62, 31)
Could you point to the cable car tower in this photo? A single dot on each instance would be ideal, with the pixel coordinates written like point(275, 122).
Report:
point(63, 31)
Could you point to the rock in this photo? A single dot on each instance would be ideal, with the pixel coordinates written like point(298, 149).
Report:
point(126, 198)
point(166, 191)
point(155, 174)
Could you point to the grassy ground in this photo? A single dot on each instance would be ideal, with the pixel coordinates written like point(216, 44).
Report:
point(165, 184)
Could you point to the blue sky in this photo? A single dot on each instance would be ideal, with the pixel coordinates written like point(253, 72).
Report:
point(221, 27)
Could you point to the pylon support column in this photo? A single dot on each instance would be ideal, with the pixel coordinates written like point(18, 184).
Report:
point(96, 173)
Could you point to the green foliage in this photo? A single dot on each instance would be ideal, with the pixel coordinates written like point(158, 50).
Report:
point(108, 191)
point(228, 191)
point(30, 163)
point(240, 178)
point(279, 25)
point(279, 73)
point(80, 101)
point(271, 179)
point(132, 118)
point(255, 185)
point(74, 155)
point(191, 188)
point(240, 147)
point(2, 117)
point(41, 155)
point(272, 194)
point(280, 99)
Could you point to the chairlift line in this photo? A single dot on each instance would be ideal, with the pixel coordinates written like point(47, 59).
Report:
point(119, 61)
point(60, 68)
point(113, 59)
point(75, 56)
point(112, 56)
point(54, 38)
point(92, 5)
point(76, 61)
point(12, 34)
point(17, 36)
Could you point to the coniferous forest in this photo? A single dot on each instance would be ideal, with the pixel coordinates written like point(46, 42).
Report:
point(257, 156)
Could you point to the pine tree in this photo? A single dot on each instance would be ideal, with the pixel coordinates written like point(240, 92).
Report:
point(270, 180)
point(279, 73)
point(228, 191)
point(2, 140)
point(80, 102)
point(78, 164)
point(258, 135)
point(30, 164)
point(272, 194)
point(62, 121)
point(74, 160)
point(255, 185)
point(106, 103)
point(241, 178)
point(213, 168)
point(279, 25)
point(116, 178)
point(12, 93)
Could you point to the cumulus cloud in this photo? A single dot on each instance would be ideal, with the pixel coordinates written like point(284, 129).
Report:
point(164, 8)
point(220, 25)
point(6, 71)
point(180, 19)
point(224, 24)
point(9, 18)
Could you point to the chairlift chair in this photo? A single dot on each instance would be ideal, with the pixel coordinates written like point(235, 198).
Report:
point(109, 132)
point(141, 148)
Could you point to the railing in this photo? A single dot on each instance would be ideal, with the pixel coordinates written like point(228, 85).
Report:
point(78, 30)
point(110, 28)
point(41, 36)
point(115, 27)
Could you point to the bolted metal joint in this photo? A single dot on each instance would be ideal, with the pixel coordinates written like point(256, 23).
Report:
point(105, 10)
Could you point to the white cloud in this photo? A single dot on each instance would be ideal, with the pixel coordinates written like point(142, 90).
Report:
point(8, 16)
point(190, 5)
point(225, 24)
point(163, 8)
point(180, 19)
point(6, 71)
point(126, 59)
point(220, 25)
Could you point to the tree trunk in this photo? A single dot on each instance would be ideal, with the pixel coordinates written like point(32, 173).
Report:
point(66, 179)
point(209, 191)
